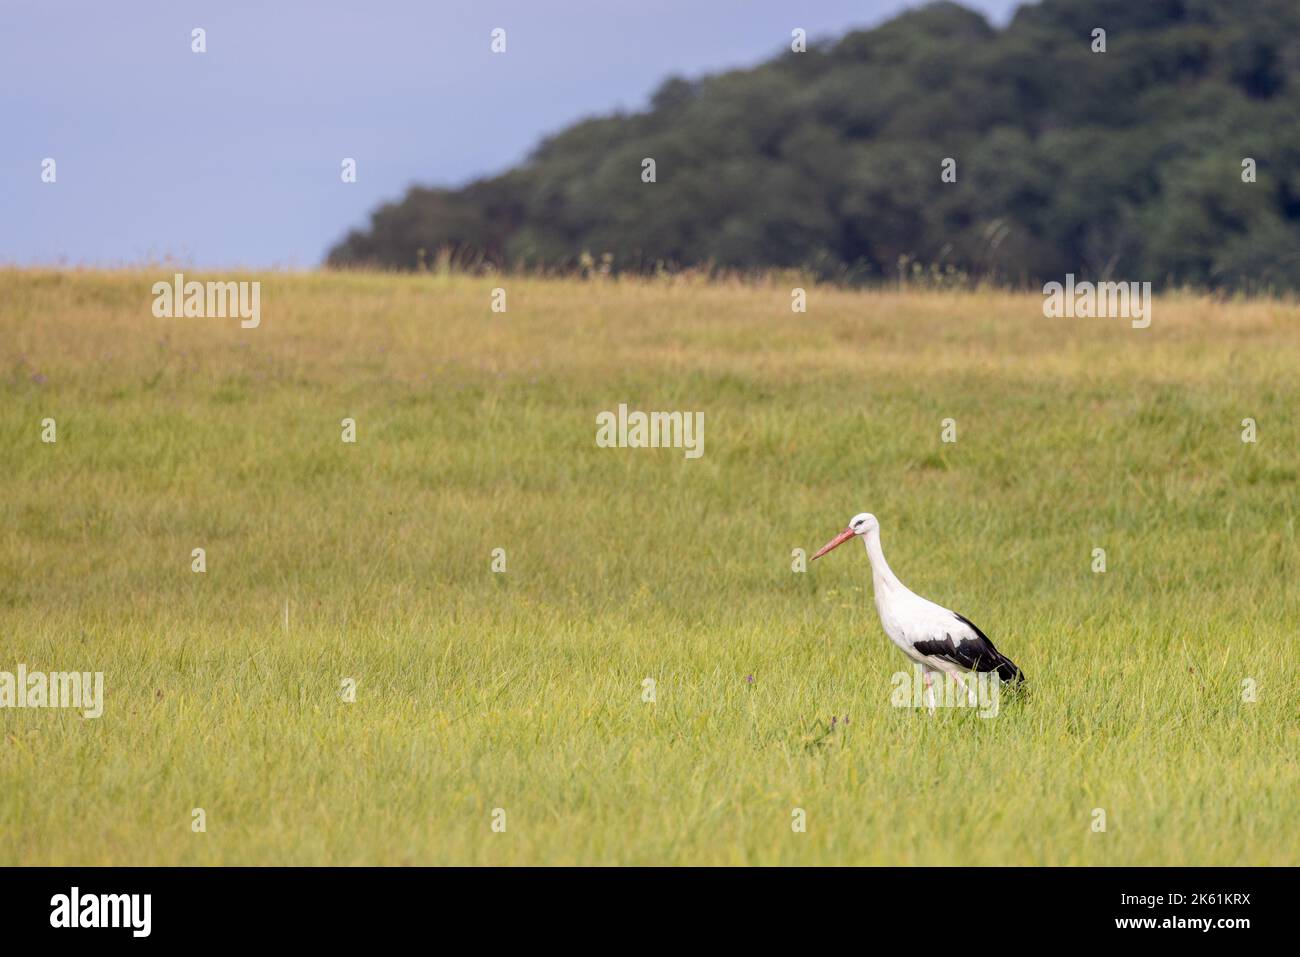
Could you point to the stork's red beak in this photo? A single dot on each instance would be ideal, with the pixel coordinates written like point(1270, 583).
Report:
point(835, 542)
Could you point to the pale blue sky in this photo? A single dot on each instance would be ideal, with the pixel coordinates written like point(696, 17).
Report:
point(231, 158)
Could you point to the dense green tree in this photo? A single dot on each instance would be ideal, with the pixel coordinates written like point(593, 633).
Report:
point(1123, 164)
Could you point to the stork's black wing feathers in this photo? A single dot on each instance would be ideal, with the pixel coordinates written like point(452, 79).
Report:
point(975, 654)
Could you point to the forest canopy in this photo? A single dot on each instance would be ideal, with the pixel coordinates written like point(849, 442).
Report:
point(1135, 163)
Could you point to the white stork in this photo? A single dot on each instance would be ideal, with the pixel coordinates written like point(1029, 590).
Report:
point(936, 638)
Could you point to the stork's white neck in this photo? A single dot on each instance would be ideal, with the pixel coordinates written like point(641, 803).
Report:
point(883, 578)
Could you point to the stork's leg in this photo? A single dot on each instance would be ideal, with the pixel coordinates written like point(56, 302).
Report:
point(928, 676)
point(966, 688)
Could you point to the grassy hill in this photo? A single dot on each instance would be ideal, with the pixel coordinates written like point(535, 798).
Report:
point(523, 690)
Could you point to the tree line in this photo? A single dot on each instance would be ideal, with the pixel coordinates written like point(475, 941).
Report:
point(1156, 140)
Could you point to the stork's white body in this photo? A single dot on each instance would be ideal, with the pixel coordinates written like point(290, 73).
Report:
point(935, 637)
point(906, 616)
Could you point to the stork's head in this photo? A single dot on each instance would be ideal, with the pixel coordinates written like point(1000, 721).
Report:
point(861, 524)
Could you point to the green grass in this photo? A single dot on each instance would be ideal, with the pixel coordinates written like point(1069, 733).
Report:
point(523, 690)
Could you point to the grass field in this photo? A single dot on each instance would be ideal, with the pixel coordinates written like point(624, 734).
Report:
point(523, 690)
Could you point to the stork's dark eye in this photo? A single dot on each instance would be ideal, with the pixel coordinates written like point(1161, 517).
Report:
point(857, 523)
